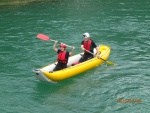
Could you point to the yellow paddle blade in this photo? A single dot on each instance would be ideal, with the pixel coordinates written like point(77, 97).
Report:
point(110, 63)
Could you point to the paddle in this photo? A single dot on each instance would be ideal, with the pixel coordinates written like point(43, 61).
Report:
point(46, 38)
point(108, 62)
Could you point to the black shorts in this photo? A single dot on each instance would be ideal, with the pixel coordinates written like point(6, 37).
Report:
point(86, 57)
point(60, 66)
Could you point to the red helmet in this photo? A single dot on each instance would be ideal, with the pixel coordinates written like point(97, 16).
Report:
point(63, 45)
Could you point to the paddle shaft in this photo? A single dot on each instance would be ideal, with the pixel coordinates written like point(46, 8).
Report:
point(61, 43)
point(47, 38)
point(93, 54)
point(108, 62)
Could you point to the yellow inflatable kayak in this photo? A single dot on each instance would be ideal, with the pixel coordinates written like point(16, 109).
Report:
point(46, 74)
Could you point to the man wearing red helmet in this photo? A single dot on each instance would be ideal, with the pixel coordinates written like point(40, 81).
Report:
point(63, 56)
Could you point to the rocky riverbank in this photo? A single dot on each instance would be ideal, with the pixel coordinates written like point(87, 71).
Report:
point(19, 2)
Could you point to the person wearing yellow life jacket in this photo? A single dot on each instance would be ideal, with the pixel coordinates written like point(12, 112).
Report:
point(87, 44)
point(62, 57)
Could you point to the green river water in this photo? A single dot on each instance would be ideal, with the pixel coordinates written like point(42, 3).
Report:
point(124, 25)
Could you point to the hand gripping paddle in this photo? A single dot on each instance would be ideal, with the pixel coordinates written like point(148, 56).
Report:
point(46, 38)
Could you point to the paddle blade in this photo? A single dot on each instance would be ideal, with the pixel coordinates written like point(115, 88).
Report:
point(43, 37)
point(110, 63)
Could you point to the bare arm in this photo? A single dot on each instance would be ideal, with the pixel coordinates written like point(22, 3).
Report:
point(54, 46)
point(98, 52)
point(82, 47)
point(97, 49)
point(71, 53)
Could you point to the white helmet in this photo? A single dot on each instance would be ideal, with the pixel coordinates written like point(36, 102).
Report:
point(86, 35)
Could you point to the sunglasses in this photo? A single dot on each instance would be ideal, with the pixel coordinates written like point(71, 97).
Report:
point(85, 36)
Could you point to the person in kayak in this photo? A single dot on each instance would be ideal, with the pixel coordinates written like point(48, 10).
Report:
point(88, 45)
point(63, 56)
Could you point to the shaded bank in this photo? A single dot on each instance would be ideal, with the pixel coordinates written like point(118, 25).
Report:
point(19, 2)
